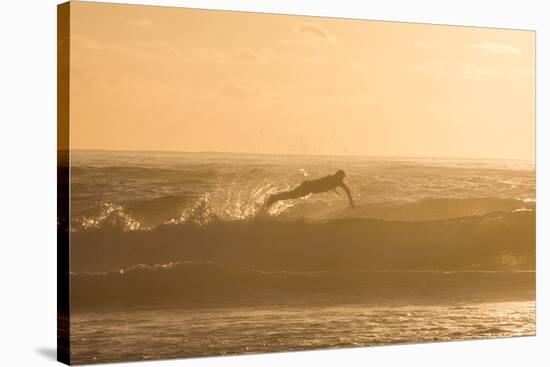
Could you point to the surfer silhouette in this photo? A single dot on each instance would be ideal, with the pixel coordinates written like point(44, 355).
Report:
point(323, 184)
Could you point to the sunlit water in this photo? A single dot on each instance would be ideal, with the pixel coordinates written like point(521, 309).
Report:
point(140, 190)
point(172, 256)
point(170, 333)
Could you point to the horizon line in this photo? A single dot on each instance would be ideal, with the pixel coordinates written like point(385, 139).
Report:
point(298, 154)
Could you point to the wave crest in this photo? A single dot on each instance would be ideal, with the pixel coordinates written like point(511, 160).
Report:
point(110, 216)
point(496, 241)
point(241, 204)
point(207, 208)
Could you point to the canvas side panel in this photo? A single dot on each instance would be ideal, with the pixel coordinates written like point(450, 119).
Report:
point(63, 183)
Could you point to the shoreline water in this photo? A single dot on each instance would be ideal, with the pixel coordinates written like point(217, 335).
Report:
point(171, 333)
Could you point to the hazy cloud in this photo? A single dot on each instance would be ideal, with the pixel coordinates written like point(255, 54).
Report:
point(84, 42)
point(142, 22)
point(425, 45)
point(311, 33)
point(332, 61)
point(498, 48)
point(315, 31)
point(222, 56)
point(459, 71)
point(476, 72)
point(239, 91)
point(247, 56)
point(85, 47)
point(159, 49)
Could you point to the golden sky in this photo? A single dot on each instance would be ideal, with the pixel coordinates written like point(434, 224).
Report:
point(160, 78)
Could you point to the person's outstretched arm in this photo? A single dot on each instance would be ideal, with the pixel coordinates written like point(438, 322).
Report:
point(346, 189)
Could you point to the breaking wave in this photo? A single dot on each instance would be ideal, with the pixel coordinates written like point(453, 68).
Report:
point(238, 205)
point(191, 228)
point(495, 241)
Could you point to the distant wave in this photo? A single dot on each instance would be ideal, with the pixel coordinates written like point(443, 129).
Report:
point(427, 209)
point(495, 241)
point(206, 284)
point(204, 170)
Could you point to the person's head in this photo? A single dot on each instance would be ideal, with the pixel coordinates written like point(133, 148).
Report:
point(340, 175)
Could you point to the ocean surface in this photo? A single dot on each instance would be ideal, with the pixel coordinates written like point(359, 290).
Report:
point(174, 254)
point(176, 333)
point(144, 190)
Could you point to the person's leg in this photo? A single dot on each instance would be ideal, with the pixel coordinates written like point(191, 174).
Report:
point(286, 195)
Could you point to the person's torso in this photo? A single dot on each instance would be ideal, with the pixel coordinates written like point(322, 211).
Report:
point(322, 184)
